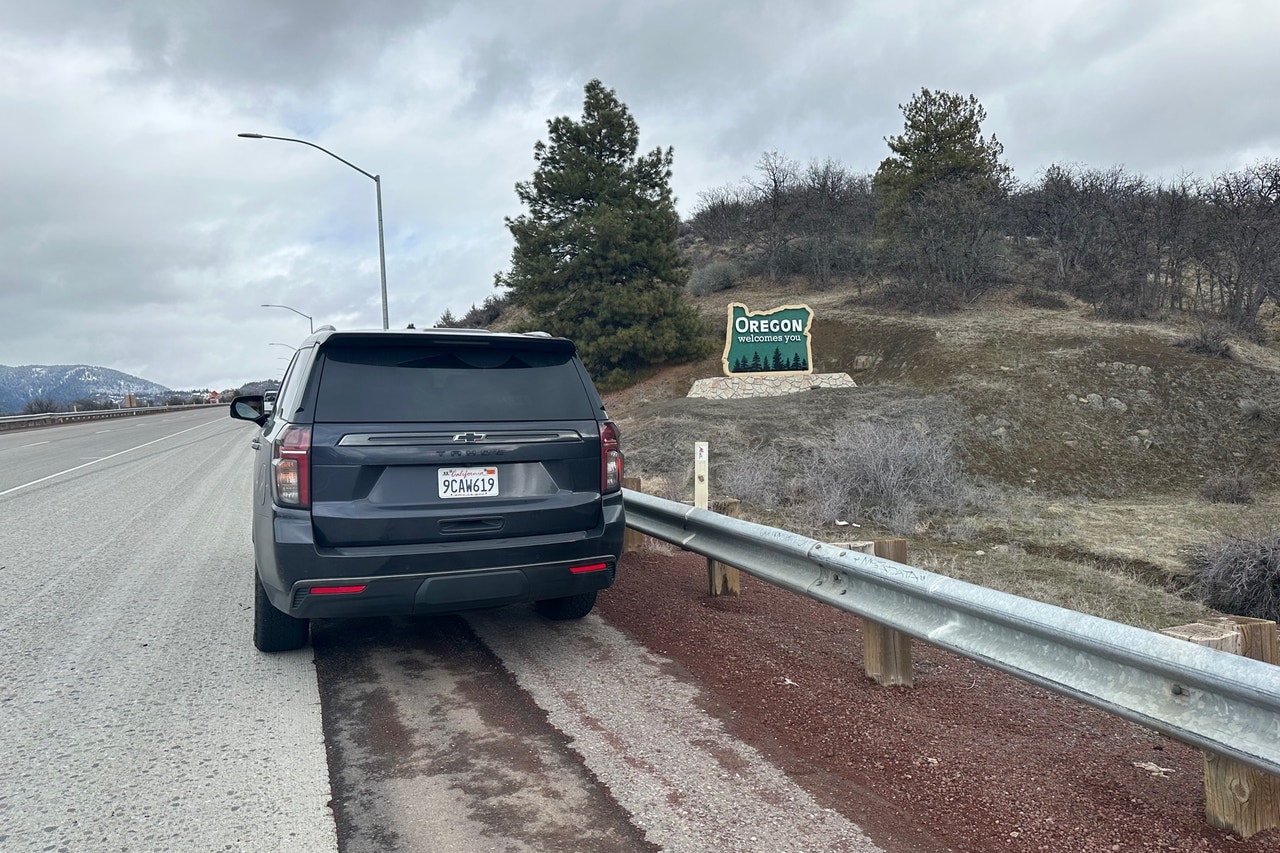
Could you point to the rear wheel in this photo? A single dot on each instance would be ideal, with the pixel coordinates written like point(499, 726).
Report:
point(569, 607)
point(274, 631)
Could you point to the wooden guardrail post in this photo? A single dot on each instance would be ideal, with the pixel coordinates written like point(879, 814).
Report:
point(723, 579)
point(886, 653)
point(1258, 637)
point(1237, 797)
point(632, 540)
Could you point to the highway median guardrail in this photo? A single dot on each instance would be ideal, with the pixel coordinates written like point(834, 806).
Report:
point(11, 422)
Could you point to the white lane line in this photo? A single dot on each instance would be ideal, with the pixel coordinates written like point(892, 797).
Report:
point(102, 459)
point(37, 444)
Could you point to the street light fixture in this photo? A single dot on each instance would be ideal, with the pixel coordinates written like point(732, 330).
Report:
point(377, 182)
point(295, 349)
point(294, 310)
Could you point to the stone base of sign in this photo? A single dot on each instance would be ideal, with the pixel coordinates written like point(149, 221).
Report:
point(767, 385)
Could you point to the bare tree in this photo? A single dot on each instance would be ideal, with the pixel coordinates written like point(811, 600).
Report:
point(1102, 226)
point(721, 215)
point(835, 216)
point(774, 209)
point(41, 406)
point(1176, 212)
point(1240, 249)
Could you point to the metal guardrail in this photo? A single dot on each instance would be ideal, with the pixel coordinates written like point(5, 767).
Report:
point(31, 421)
point(1213, 700)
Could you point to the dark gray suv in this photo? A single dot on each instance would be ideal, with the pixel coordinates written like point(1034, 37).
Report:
point(430, 471)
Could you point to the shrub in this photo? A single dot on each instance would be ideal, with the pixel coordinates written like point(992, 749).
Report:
point(714, 277)
point(1211, 340)
point(1239, 575)
point(1235, 487)
point(757, 478)
point(482, 316)
point(884, 473)
point(1251, 409)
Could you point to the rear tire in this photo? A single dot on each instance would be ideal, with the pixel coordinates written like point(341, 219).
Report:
point(569, 607)
point(274, 631)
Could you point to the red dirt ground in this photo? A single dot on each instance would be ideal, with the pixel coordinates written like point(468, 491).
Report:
point(968, 760)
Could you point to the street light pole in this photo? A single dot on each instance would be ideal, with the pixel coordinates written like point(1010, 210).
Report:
point(382, 253)
point(377, 182)
point(294, 310)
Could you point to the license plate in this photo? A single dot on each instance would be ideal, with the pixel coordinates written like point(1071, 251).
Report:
point(468, 482)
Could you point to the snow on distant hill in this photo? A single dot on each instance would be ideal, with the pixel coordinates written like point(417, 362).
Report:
point(66, 383)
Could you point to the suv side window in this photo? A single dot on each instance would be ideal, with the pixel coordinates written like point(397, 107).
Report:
point(423, 383)
point(289, 397)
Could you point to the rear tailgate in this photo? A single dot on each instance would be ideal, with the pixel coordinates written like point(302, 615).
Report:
point(469, 438)
point(421, 484)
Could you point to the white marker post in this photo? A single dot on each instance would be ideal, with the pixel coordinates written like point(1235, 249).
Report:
point(700, 485)
point(721, 579)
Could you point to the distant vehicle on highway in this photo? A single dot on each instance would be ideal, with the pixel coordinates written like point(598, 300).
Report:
point(269, 401)
point(435, 470)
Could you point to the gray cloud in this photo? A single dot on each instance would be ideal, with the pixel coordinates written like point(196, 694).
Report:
point(139, 233)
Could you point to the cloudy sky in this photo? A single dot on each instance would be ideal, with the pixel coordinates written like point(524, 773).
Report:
point(140, 233)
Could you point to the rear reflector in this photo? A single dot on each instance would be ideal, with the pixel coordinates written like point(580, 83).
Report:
point(592, 567)
point(336, 590)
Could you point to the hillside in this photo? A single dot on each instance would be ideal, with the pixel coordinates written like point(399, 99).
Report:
point(1088, 439)
point(66, 383)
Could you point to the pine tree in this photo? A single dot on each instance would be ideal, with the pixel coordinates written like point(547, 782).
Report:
point(941, 143)
point(778, 363)
point(757, 364)
point(595, 256)
point(937, 202)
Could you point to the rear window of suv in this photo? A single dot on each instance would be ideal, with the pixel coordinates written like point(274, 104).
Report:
point(459, 383)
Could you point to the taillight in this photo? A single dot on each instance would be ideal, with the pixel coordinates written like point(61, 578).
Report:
point(610, 458)
point(291, 463)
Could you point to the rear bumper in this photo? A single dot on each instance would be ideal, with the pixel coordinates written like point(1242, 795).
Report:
point(445, 577)
point(446, 592)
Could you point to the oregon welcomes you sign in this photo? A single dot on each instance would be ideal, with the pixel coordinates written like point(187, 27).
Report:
point(775, 341)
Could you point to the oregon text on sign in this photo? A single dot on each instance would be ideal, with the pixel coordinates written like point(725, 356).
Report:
point(773, 341)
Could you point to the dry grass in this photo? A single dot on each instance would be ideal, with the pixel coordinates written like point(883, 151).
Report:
point(1089, 505)
point(1107, 592)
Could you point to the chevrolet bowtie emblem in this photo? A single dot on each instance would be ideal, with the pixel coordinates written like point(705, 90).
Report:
point(469, 437)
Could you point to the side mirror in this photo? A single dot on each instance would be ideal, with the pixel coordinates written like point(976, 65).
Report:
point(249, 408)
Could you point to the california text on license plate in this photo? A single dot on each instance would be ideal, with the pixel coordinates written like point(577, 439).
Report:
point(468, 482)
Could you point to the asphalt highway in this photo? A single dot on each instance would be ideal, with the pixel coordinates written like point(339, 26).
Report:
point(135, 714)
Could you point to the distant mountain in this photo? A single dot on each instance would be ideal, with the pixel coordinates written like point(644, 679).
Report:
point(260, 387)
point(66, 383)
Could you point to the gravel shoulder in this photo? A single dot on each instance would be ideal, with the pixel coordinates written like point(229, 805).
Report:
point(644, 731)
point(968, 760)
